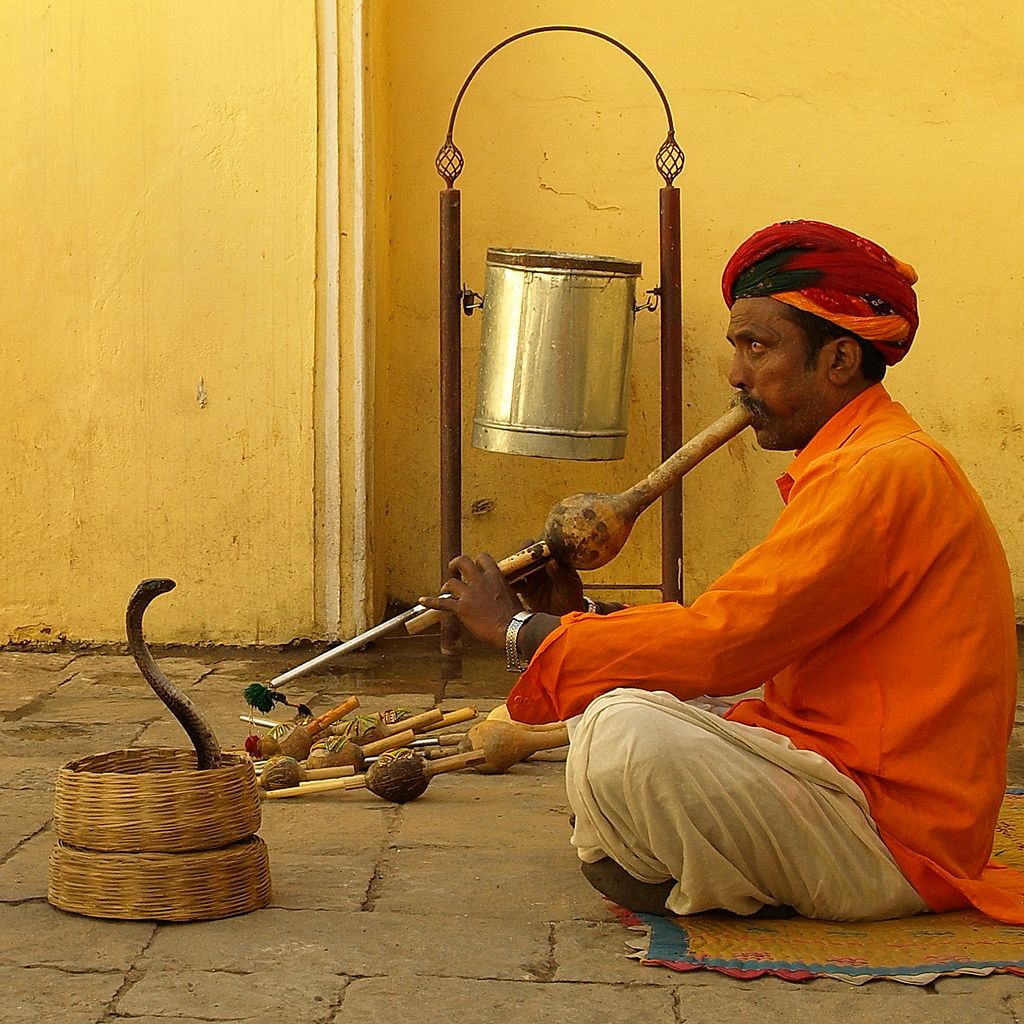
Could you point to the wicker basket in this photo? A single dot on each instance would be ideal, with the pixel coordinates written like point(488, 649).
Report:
point(154, 800)
point(195, 886)
point(143, 835)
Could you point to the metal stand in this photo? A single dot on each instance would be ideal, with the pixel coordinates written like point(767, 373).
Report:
point(449, 164)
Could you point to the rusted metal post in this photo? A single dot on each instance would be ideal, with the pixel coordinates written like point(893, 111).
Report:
point(671, 390)
point(451, 397)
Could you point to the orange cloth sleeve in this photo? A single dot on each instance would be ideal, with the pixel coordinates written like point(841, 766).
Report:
point(780, 601)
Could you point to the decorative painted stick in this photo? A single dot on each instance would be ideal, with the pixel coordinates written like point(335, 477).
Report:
point(263, 723)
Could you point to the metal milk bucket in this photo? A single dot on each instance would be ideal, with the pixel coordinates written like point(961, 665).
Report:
point(554, 354)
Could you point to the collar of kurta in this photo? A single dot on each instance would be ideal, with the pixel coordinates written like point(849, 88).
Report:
point(834, 434)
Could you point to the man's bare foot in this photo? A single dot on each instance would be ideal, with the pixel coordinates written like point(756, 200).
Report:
point(613, 881)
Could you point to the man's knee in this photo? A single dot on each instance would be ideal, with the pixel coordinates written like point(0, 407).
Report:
point(632, 736)
point(617, 714)
point(619, 732)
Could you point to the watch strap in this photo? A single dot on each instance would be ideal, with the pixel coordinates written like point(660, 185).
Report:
point(512, 662)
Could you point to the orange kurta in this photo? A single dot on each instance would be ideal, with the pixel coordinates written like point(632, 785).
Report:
point(880, 612)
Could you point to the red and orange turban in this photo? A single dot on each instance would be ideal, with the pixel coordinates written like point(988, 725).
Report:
point(832, 273)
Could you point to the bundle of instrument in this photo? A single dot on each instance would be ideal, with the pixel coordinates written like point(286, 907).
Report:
point(393, 754)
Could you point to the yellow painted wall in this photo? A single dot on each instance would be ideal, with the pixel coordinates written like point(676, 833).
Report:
point(898, 121)
point(163, 329)
point(158, 169)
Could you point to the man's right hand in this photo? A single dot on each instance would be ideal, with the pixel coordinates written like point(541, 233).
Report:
point(555, 589)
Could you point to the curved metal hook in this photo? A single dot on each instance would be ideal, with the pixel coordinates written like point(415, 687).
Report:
point(449, 162)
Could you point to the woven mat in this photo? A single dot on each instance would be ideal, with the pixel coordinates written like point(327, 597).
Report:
point(913, 950)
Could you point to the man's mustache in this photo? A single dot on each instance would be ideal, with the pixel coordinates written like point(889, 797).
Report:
point(751, 404)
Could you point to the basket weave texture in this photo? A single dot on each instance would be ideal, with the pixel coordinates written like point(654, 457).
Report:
point(143, 835)
point(194, 886)
point(154, 800)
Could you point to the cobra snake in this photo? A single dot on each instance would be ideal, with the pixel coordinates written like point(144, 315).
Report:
point(192, 720)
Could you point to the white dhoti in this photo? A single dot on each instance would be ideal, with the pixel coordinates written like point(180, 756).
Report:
point(737, 815)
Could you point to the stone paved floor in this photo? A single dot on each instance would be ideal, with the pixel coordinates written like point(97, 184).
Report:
point(464, 906)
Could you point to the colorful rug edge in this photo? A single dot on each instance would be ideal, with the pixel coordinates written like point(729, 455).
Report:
point(668, 946)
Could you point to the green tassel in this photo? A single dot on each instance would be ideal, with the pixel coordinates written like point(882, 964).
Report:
point(262, 698)
point(259, 697)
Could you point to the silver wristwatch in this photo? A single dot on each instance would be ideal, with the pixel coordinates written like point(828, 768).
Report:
point(512, 662)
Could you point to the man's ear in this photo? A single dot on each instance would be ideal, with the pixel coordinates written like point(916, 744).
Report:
point(846, 359)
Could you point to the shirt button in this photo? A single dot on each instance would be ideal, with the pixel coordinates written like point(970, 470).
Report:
point(520, 701)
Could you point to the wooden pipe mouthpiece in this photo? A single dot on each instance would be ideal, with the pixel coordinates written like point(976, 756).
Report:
point(321, 722)
point(455, 763)
point(317, 786)
point(418, 723)
point(456, 717)
point(393, 742)
point(370, 728)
